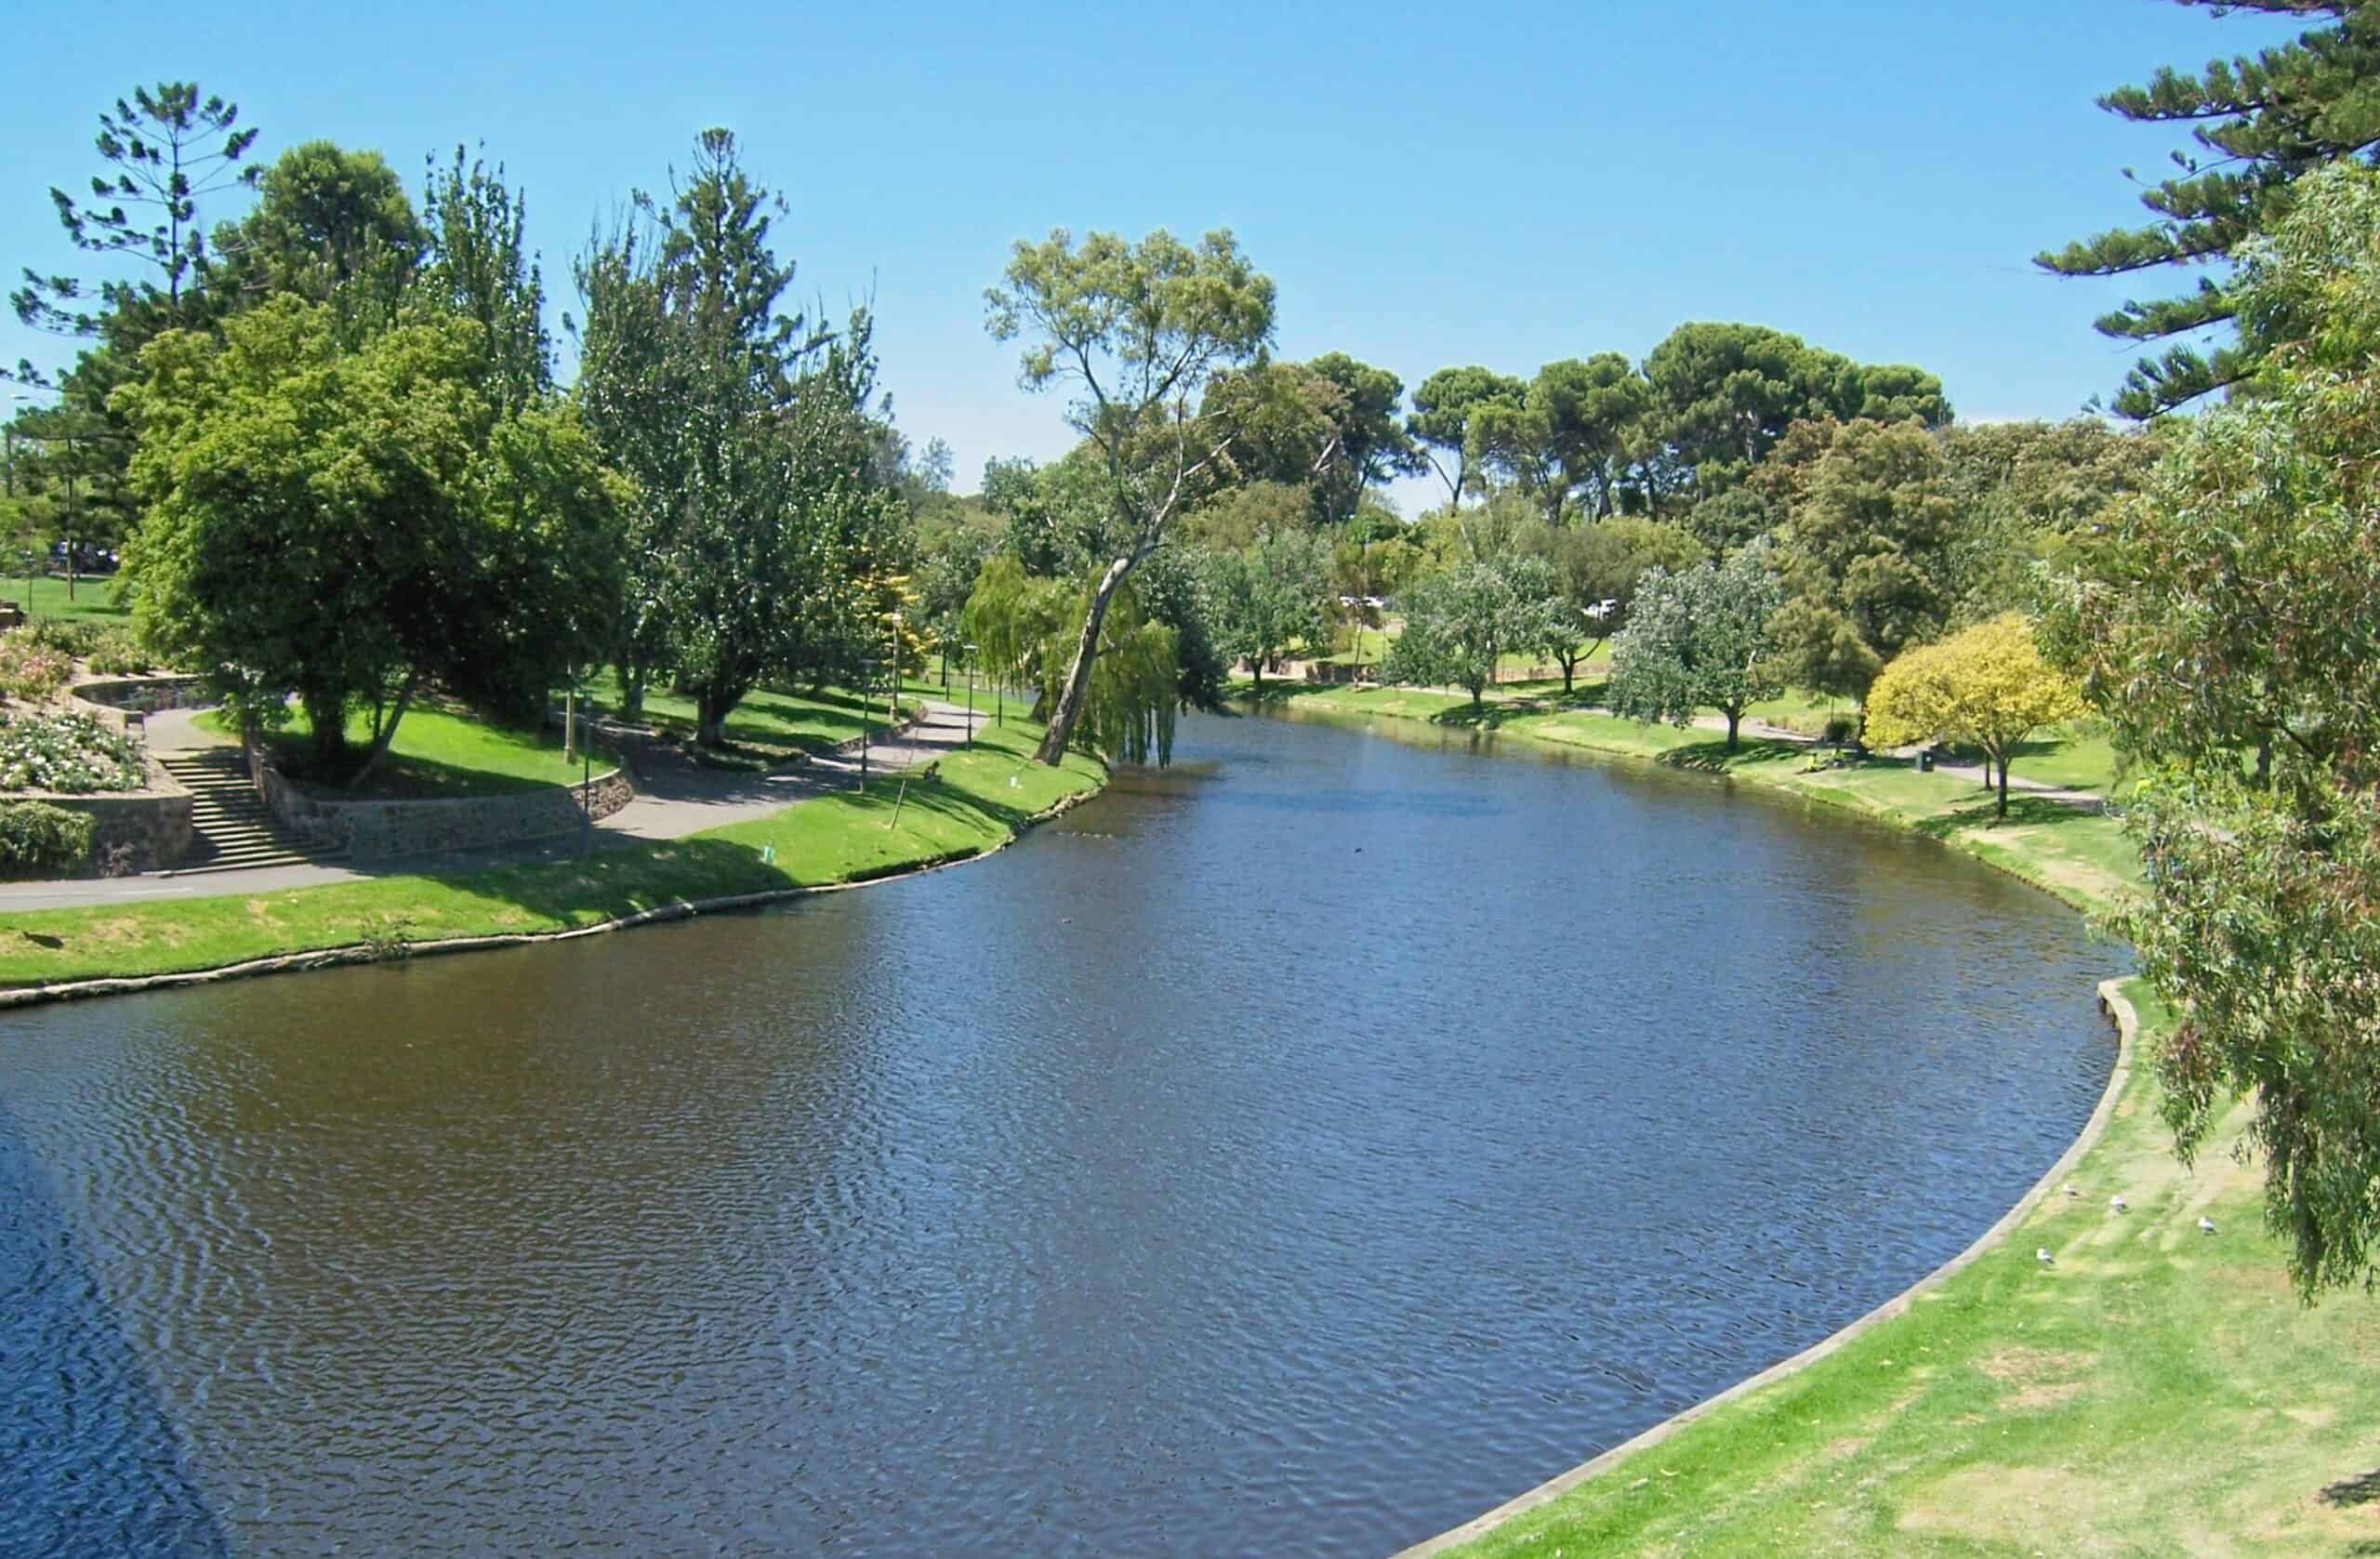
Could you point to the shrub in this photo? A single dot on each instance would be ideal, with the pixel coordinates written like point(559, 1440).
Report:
point(67, 636)
point(30, 669)
point(71, 753)
point(37, 840)
point(1843, 729)
point(116, 654)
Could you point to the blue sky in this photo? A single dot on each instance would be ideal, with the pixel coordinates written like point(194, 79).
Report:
point(1537, 181)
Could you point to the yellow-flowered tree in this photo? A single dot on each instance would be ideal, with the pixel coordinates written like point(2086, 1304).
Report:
point(1987, 687)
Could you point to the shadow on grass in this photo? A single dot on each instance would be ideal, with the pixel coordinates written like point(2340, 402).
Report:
point(1714, 757)
point(2023, 812)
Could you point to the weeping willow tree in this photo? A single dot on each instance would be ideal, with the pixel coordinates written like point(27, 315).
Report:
point(1025, 632)
point(1135, 684)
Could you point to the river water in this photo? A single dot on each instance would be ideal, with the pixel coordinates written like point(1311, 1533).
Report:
point(1297, 1151)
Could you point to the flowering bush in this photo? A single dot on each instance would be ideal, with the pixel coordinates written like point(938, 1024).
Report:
point(73, 753)
point(30, 669)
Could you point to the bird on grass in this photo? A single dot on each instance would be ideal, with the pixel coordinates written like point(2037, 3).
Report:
point(2044, 1258)
point(2068, 1189)
point(2117, 1204)
point(2206, 1226)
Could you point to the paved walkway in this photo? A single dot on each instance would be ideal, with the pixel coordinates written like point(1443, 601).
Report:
point(675, 797)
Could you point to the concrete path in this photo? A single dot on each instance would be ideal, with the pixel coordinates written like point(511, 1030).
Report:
point(674, 798)
point(2086, 800)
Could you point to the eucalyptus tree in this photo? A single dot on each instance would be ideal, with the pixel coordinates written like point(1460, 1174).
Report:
point(1135, 331)
point(1458, 626)
point(1696, 639)
point(1273, 595)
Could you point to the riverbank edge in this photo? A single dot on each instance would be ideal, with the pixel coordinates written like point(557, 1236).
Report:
point(346, 954)
point(2127, 1018)
point(2014, 866)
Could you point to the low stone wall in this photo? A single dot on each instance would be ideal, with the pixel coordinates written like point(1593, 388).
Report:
point(148, 829)
point(382, 830)
point(144, 695)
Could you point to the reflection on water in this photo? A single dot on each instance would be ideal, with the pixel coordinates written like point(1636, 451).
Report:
point(1297, 1151)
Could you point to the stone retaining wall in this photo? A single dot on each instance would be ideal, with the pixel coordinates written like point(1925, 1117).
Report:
point(148, 829)
point(382, 830)
point(143, 694)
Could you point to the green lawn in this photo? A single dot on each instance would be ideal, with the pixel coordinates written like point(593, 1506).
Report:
point(776, 723)
point(94, 598)
point(441, 753)
point(841, 838)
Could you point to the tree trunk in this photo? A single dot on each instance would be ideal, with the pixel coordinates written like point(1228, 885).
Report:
point(713, 703)
point(2003, 813)
point(1077, 687)
point(1569, 669)
point(1258, 661)
point(632, 692)
point(326, 713)
point(1734, 720)
point(384, 734)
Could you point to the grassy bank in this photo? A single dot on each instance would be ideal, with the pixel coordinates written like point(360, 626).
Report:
point(2082, 857)
point(2157, 1392)
point(968, 808)
point(438, 753)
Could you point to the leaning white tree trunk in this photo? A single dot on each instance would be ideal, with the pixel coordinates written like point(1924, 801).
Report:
point(1062, 718)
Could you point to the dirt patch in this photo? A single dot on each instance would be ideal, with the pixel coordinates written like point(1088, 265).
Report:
point(1837, 1450)
point(2026, 1366)
point(123, 930)
point(2021, 1506)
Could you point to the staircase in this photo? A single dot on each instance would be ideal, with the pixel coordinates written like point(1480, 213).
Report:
point(236, 832)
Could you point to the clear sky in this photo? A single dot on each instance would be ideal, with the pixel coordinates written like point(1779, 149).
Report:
point(1529, 182)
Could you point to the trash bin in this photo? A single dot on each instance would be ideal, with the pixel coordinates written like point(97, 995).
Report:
point(1926, 760)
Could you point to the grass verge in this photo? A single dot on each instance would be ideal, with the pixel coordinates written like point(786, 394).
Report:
point(848, 836)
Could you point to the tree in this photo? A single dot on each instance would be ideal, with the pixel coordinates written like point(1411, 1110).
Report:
point(1866, 552)
point(1985, 687)
point(480, 269)
point(761, 509)
point(2259, 125)
point(1273, 595)
point(1368, 444)
point(1697, 640)
point(1136, 330)
point(329, 225)
point(1444, 405)
point(1723, 395)
point(945, 579)
point(351, 525)
point(166, 151)
point(1569, 436)
point(2228, 632)
point(1597, 569)
point(1460, 625)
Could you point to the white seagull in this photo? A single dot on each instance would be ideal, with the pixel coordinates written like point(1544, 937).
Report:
point(2068, 1189)
point(2206, 1226)
point(2116, 1203)
point(2043, 1257)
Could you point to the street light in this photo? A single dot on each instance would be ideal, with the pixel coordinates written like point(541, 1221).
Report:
point(866, 706)
point(968, 651)
point(892, 699)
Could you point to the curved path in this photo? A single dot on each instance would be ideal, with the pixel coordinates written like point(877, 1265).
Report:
point(674, 798)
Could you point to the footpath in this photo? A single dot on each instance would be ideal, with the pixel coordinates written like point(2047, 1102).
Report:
point(675, 797)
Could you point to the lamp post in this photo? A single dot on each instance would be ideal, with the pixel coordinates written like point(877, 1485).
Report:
point(968, 651)
point(867, 708)
point(892, 695)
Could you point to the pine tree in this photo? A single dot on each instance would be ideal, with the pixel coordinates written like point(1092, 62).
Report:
point(2259, 123)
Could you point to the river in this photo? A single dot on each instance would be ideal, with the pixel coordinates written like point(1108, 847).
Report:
point(1295, 1152)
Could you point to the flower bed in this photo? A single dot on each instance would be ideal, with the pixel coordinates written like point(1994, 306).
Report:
point(70, 754)
point(31, 669)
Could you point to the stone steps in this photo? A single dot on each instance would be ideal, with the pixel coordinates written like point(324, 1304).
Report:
point(236, 830)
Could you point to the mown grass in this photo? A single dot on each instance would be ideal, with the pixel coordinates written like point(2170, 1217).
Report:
point(93, 598)
point(775, 724)
point(441, 753)
point(969, 807)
